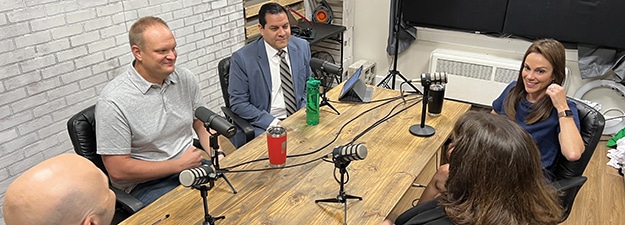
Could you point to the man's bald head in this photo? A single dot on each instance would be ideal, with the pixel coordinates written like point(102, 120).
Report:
point(66, 189)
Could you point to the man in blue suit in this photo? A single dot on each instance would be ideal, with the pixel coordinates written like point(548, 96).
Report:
point(255, 89)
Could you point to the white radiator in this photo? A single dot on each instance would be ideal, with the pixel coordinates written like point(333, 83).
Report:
point(474, 78)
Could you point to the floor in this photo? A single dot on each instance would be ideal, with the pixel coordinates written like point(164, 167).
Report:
point(602, 198)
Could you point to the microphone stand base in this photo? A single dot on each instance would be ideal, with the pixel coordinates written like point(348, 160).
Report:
point(208, 219)
point(339, 199)
point(424, 131)
point(342, 196)
point(213, 220)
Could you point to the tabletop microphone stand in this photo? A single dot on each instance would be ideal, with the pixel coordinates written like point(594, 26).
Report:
point(342, 196)
point(424, 130)
point(214, 143)
point(208, 219)
point(326, 82)
point(324, 98)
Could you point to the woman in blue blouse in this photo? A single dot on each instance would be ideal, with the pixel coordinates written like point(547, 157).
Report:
point(538, 103)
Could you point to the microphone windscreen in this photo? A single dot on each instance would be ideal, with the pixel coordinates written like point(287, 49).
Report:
point(320, 64)
point(196, 176)
point(332, 68)
point(349, 153)
point(215, 122)
point(316, 63)
point(203, 114)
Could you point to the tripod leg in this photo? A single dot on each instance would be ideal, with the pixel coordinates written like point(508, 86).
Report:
point(408, 82)
point(332, 200)
point(344, 213)
point(352, 197)
point(332, 107)
point(215, 160)
point(324, 102)
point(234, 191)
point(384, 82)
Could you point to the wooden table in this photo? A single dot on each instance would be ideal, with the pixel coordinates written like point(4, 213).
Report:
point(287, 196)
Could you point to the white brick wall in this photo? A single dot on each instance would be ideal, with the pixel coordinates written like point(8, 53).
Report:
point(57, 55)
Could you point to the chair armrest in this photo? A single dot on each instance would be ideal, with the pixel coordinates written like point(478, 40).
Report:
point(245, 126)
point(197, 144)
point(568, 189)
point(128, 202)
point(566, 184)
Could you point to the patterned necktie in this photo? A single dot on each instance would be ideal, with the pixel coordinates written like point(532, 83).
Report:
point(287, 85)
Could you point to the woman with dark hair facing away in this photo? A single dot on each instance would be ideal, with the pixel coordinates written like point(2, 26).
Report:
point(538, 103)
point(495, 177)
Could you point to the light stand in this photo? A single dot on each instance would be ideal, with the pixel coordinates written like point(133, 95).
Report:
point(424, 130)
point(208, 219)
point(393, 73)
point(342, 196)
point(214, 143)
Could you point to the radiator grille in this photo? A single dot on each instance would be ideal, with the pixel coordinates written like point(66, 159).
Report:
point(466, 69)
point(474, 78)
point(506, 75)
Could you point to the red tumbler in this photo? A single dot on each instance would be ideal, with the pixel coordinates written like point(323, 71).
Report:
point(276, 145)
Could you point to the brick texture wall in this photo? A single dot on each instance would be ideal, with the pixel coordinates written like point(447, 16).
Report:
point(56, 56)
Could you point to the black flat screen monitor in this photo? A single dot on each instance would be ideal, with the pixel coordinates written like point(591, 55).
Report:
point(597, 22)
point(484, 16)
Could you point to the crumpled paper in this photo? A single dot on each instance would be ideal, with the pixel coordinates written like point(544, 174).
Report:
point(617, 155)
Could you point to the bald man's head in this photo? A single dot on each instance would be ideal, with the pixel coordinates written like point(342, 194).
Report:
point(66, 189)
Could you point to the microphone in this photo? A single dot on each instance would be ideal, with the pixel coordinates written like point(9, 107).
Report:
point(197, 176)
point(349, 153)
point(319, 64)
point(434, 78)
point(215, 122)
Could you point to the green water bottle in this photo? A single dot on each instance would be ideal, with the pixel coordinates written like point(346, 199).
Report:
point(312, 101)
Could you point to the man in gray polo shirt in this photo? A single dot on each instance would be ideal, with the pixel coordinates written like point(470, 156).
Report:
point(145, 116)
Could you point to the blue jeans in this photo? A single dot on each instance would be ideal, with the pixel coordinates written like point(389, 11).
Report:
point(148, 192)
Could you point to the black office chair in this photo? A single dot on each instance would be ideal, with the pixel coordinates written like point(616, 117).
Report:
point(81, 129)
point(242, 125)
point(568, 175)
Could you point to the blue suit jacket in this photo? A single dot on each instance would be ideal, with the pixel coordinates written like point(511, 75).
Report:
point(250, 82)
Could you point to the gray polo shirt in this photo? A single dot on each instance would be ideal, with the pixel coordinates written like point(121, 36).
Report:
point(147, 121)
